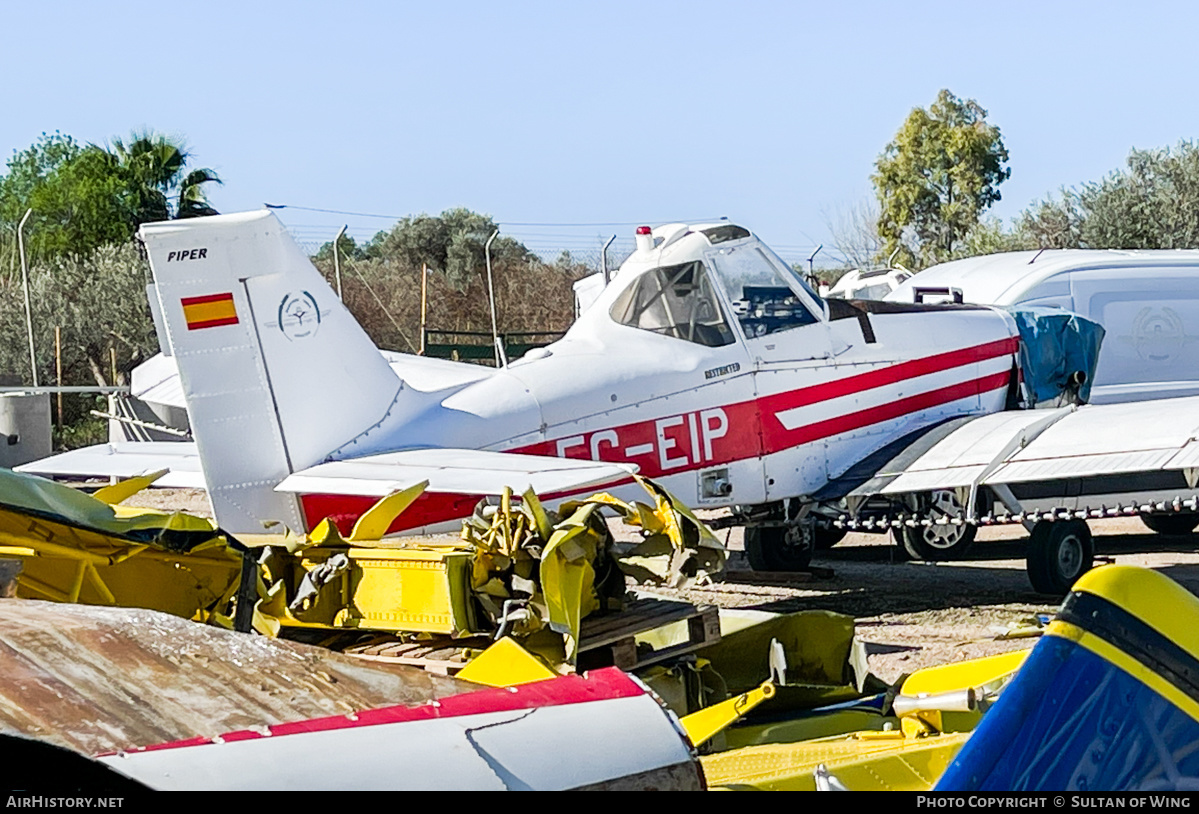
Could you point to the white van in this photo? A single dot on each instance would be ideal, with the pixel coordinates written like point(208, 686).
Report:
point(869, 284)
point(1147, 301)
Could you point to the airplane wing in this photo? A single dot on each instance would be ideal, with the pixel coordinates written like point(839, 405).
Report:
point(1089, 458)
point(127, 459)
point(456, 471)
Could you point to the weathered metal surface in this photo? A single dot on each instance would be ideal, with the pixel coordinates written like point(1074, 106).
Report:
point(98, 679)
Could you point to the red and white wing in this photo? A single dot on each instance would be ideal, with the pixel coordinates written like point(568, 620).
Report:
point(510, 738)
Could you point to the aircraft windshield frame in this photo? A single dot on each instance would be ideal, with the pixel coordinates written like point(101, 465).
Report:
point(766, 295)
point(678, 301)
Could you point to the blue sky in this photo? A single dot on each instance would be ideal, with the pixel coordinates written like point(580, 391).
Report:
point(601, 114)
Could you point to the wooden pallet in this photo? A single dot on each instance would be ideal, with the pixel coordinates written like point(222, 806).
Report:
point(604, 640)
point(444, 657)
point(612, 638)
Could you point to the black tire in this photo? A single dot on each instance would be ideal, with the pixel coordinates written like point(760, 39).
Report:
point(767, 549)
point(900, 551)
point(825, 538)
point(939, 542)
point(1176, 524)
point(1058, 554)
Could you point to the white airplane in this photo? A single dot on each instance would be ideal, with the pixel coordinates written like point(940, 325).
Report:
point(707, 364)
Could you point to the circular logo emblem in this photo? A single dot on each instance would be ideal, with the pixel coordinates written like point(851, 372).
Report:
point(299, 316)
point(1158, 335)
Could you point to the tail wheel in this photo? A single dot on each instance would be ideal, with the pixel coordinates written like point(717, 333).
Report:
point(771, 548)
point(1175, 524)
point(939, 542)
point(1059, 553)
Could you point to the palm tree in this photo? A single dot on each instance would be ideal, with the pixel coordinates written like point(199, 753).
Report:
point(192, 201)
point(154, 166)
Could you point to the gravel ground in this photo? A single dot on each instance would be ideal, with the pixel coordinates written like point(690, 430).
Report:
point(910, 614)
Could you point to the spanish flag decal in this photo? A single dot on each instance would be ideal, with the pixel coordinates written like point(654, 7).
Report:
point(209, 311)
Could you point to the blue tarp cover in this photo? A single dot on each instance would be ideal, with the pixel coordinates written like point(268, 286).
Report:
point(1054, 344)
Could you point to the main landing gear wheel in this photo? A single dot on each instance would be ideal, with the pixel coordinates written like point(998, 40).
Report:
point(939, 542)
point(1059, 553)
point(1175, 524)
point(771, 548)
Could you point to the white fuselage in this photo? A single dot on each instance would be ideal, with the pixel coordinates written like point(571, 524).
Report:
point(757, 419)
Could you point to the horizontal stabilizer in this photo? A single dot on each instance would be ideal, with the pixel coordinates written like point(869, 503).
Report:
point(456, 471)
point(127, 459)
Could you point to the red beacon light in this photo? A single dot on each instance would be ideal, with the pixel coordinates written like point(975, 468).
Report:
point(645, 238)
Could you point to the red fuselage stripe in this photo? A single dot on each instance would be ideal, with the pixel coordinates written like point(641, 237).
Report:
point(889, 375)
point(753, 429)
point(598, 685)
point(779, 438)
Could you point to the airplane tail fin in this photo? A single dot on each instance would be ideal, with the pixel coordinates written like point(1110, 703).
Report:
point(276, 372)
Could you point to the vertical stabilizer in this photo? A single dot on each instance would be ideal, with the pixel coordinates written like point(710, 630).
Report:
point(275, 370)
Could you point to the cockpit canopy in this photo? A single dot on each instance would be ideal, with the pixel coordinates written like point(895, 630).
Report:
point(684, 300)
point(675, 301)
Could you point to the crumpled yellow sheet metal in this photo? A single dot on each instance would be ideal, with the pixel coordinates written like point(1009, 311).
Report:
point(518, 568)
point(534, 568)
point(78, 548)
point(26, 500)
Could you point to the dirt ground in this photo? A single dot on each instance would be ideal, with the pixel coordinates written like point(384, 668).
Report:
point(910, 614)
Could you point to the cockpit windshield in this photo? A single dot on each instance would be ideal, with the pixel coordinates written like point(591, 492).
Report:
point(675, 301)
point(759, 286)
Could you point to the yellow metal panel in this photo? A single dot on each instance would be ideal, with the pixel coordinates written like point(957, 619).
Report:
point(963, 674)
point(506, 664)
point(127, 488)
point(176, 584)
point(375, 522)
point(393, 590)
point(703, 725)
point(871, 764)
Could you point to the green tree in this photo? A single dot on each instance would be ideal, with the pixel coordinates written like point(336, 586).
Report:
point(451, 243)
point(154, 168)
point(382, 280)
point(1052, 223)
point(84, 197)
point(1152, 204)
point(77, 200)
point(349, 248)
point(936, 178)
point(99, 303)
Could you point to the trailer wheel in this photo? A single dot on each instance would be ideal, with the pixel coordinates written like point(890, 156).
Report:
point(1175, 524)
point(768, 549)
point(1059, 553)
point(940, 542)
point(825, 538)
